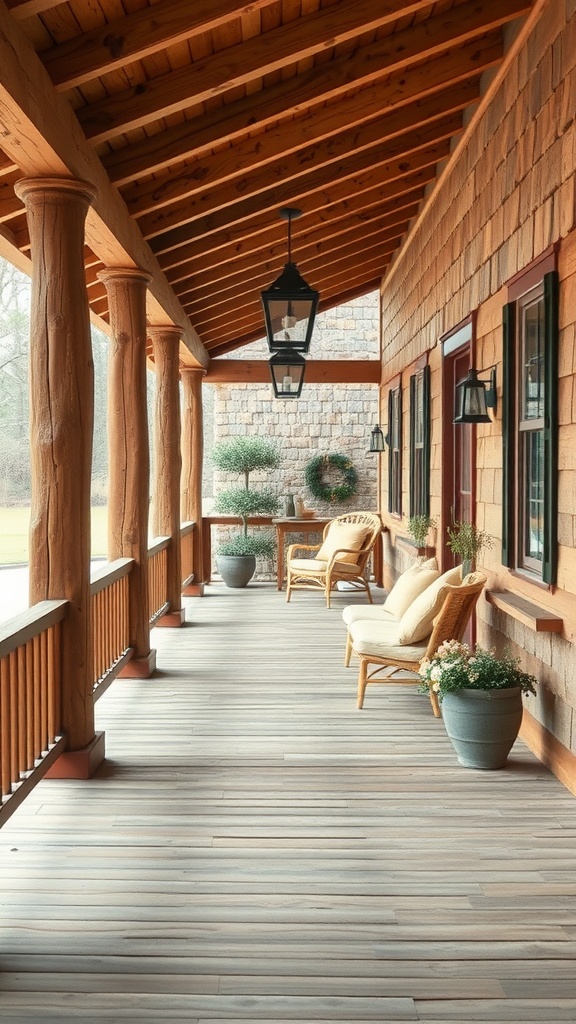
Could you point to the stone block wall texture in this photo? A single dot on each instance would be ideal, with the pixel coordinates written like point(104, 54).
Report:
point(326, 419)
point(506, 196)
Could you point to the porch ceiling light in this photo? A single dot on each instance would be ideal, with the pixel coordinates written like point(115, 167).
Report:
point(287, 371)
point(377, 440)
point(473, 397)
point(290, 303)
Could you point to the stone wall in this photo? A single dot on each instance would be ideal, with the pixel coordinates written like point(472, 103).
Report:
point(324, 420)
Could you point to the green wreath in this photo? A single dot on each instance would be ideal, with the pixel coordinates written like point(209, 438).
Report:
point(324, 492)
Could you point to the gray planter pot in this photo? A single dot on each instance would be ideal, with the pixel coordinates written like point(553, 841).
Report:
point(236, 570)
point(482, 725)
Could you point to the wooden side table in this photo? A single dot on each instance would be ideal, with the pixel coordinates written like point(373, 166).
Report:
point(293, 525)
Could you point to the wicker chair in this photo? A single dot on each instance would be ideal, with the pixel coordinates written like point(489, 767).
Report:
point(337, 563)
point(450, 624)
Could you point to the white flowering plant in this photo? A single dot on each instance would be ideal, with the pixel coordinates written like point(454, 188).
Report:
point(454, 666)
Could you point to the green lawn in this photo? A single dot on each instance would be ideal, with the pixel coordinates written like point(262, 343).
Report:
point(14, 524)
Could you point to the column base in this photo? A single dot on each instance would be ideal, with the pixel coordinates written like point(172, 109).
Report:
point(79, 764)
point(171, 619)
point(194, 590)
point(139, 668)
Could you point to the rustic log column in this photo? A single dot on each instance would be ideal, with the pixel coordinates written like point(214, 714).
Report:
point(192, 458)
point(129, 453)
point(168, 462)
point(61, 428)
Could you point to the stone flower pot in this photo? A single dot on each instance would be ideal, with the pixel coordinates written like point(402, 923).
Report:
point(236, 570)
point(482, 725)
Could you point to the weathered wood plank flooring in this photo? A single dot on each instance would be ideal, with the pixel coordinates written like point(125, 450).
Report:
point(257, 850)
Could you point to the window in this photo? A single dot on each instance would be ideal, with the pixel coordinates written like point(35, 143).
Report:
point(530, 428)
point(395, 450)
point(420, 443)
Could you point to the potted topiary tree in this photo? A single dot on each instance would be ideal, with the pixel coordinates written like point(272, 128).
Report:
point(236, 558)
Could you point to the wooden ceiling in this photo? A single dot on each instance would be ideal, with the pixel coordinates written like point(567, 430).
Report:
point(208, 116)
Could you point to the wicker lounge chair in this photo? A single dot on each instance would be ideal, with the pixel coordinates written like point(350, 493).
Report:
point(377, 642)
point(343, 555)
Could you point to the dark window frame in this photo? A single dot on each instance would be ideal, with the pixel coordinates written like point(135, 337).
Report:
point(530, 485)
point(395, 449)
point(420, 442)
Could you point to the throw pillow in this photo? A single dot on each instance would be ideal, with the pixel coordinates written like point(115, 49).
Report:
point(416, 623)
point(343, 535)
point(409, 585)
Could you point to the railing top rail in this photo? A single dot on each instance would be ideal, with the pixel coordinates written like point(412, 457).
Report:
point(158, 544)
point(186, 527)
point(109, 574)
point(17, 631)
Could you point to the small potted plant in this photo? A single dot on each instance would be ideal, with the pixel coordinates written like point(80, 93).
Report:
point(481, 699)
point(236, 558)
point(466, 541)
point(418, 528)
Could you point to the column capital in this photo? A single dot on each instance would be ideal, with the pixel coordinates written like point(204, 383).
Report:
point(164, 332)
point(193, 371)
point(29, 188)
point(123, 274)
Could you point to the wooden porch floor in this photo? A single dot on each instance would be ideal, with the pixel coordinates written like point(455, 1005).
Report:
point(256, 849)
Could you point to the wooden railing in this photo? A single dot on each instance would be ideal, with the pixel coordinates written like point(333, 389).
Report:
point(187, 531)
point(30, 658)
point(30, 730)
point(157, 578)
point(110, 622)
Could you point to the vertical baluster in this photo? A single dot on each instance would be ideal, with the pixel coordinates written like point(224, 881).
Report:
point(5, 776)
point(17, 718)
point(34, 666)
point(43, 672)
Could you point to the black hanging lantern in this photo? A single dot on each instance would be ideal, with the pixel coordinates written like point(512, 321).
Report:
point(290, 303)
point(473, 398)
point(287, 372)
point(377, 440)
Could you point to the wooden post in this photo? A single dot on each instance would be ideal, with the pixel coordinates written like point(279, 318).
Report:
point(129, 476)
point(61, 428)
point(192, 458)
point(168, 462)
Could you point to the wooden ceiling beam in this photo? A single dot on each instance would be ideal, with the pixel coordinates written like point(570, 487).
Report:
point(260, 268)
point(318, 206)
point(288, 45)
point(358, 209)
point(276, 102)
point(351, 261)
point(219, 347)
point(141, 33)
point(318, 371)
point(234, 66)
point(236, 119)
point(259, 232)
point(335, 130)
point(221, 310)
point(22, 9)
point(260, 274)
point(254, 328)
point(395, 158)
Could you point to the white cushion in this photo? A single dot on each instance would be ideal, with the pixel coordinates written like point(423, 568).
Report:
point(377, 613)
point(381, 639)
point(343, 536)
point(417, 621)
point(409, 585)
